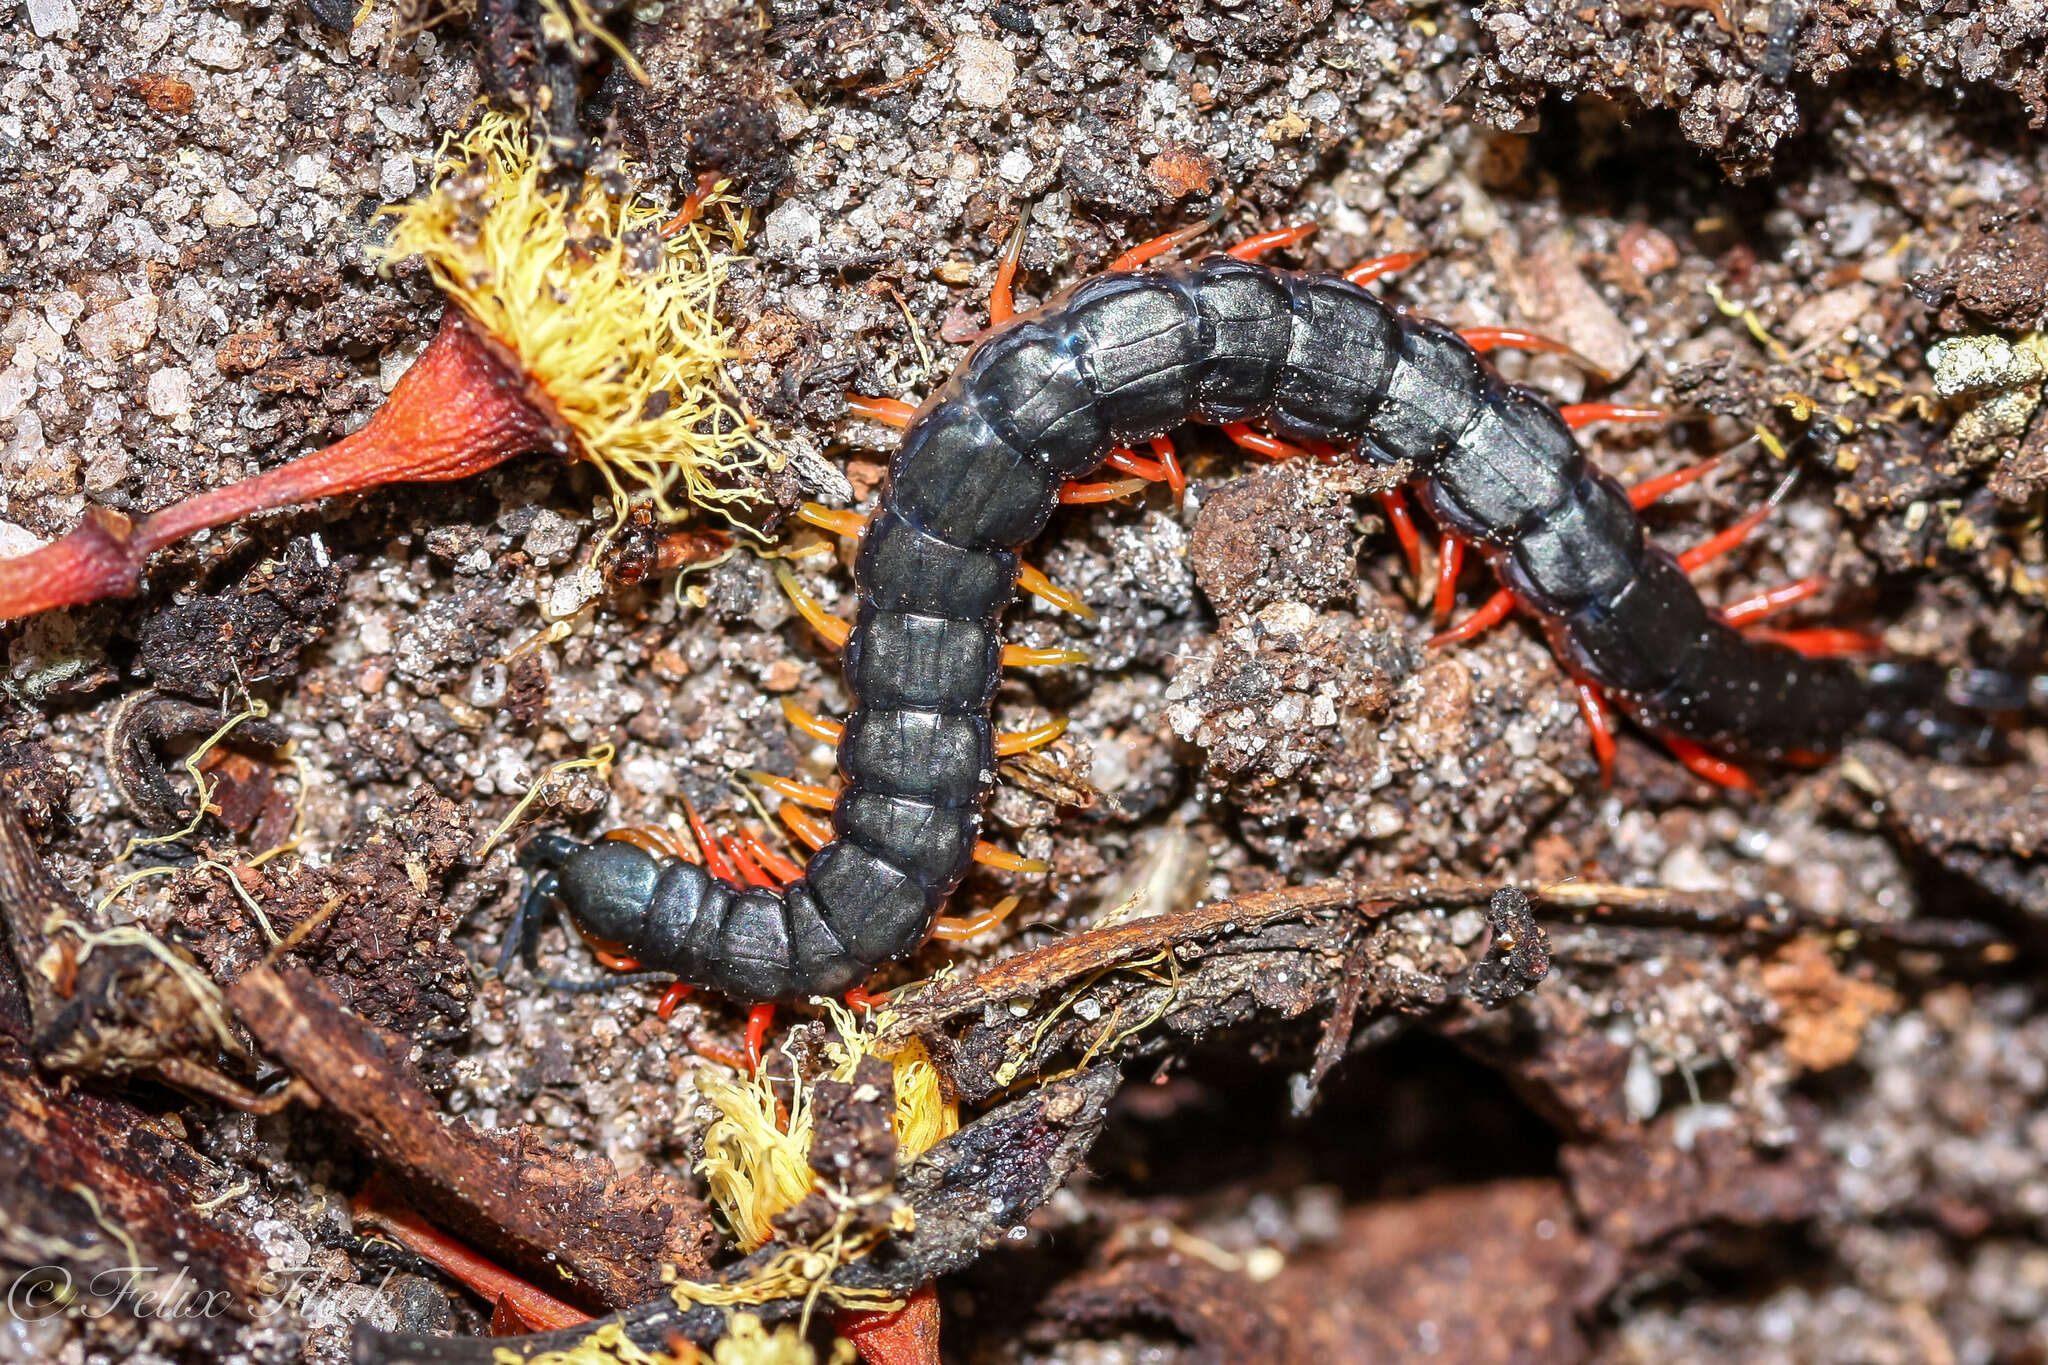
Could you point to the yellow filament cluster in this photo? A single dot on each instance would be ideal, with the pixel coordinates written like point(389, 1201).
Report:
point(757, 1167)
point(615, 323)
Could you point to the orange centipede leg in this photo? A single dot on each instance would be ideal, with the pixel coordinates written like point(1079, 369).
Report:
point(803, 793)
point(1365, 272)
point(618, 962)
point(1251, 248)
point(646, 838)
point(1002, 299)
point(1581, 415)
point(675, 995)
point(1010, 744)
point(1821, 642)
point(859, 999)
point(817, 727)
point(1650, 490)
point(1450, 561)
point(1716, 770)
point(1037, 584)
point(784, 870)
point(1017, 656)
point(829, 627)
point(836, 520)
point(988, 855)
point(813, 831)
point(1594, 707)
point(1757, 607)
point(952, 929)
point(890, 412)
point(1395, 504)
point(1072, 493)
point(1490, 614)
point(1163, 243)
point(714, 856)
point(760, 1019)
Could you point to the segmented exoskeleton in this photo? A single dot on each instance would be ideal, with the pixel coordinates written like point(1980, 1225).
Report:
point(1044, 399)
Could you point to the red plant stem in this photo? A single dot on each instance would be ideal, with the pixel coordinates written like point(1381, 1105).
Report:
point(464, 406)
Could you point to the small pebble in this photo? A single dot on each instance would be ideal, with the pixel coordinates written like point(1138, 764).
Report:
point(984, 73)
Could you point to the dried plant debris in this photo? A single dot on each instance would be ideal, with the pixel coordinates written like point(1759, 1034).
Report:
point(1728, 69)
point(564, 1217)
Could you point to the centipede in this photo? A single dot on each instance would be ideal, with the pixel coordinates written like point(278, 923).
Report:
point(1287, 362)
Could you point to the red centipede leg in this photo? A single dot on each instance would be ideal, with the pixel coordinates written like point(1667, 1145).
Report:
point(1395, 504)
point(1169, 460)
point(1716, 770)
point(1650, 490)
point(1151, 471)
point(1594, 707)
point(1251, 248)
point(1365, 272)
point(675, 995)
point(1771, 600)
point(782, 869)
point(618, 962)
point(707, 185)
point(1484, 339)
point(760, 1020)
point(1259, 443)
point(859, 999)
point(1002, 298)
point(1578, 416)
point(1490, 614)
point(750, 872)
point(1821, 642)
point(1450, 561)
point(1714, 546)
point(1163, 243)
point(714, 857)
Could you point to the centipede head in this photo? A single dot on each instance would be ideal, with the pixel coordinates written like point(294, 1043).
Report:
point(606, 886)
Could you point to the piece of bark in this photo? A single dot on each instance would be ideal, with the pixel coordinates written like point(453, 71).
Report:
point(545, 1207)
point(968, 1194)
point(62, 1154)
point(1480, 1274)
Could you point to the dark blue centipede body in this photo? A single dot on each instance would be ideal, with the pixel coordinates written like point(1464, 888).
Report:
point(1045, 398)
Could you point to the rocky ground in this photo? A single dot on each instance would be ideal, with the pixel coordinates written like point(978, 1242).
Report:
point(1806, 1127)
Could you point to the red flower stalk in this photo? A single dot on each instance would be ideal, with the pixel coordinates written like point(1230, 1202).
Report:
point(463, 407)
